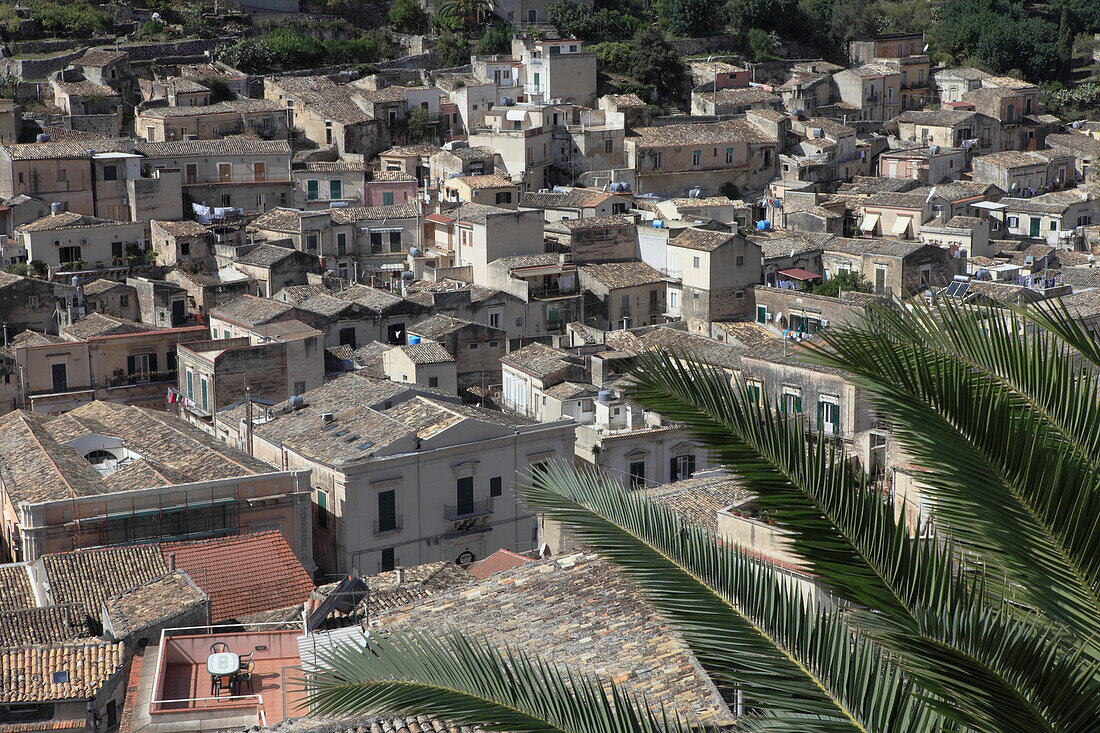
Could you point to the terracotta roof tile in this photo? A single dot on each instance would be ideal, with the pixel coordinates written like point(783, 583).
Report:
point(500, 560)
point(701, 239)
point(89, 577)
point(153, 601)
point(275, 578)
point(49, 625)
point(15, 587)
point(71, 671)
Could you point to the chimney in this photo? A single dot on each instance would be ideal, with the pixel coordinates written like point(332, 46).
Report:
point(172, 562)
point(400, 572)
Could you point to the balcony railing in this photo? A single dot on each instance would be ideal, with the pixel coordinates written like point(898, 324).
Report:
point(460, 512)
point(393, 524)
point(120, 380)
point(551, 293)
point(271, 177)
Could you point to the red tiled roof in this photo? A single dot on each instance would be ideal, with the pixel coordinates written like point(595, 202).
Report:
point(439, 218)
point(500, 560)
point(799, 274)
point(243, 574)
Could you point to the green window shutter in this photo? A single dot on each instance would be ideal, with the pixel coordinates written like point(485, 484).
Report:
point(322, 499)
point(761, 314)
point(820, 415)
point(205, 395)
point(798, 405)
point(152, 362)
point(836, 419)
point(131, 365)
point(311, 190)
point(190, 385)
point(387, 198)
point(395, 241)
point(336, 189)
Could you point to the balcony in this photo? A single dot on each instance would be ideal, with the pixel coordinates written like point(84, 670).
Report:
point(125, 380)
point(393, 524)
point(274, 177)
point(552, 293)
point(174, 690)
point(468, 516)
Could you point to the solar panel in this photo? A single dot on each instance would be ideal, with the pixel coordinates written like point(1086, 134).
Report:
point(952, 289)
point(963, 287)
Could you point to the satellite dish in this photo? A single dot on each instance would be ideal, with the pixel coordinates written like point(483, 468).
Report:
point(156, 16)
point(925, 50)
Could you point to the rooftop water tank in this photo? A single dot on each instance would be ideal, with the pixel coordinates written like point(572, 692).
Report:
point(604, 395)
point(413, 339)
point(56, 208)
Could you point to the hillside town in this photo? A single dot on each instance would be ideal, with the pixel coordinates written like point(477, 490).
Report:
point(279, 349)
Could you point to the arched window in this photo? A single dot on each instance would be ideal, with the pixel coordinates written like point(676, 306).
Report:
point(98, 457)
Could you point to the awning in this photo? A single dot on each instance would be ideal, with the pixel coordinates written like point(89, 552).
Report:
point(901, 224)
point(515, 115)
point(870, 221)
point(797, 273)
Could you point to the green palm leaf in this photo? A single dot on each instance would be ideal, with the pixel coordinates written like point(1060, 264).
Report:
point(468, 681)
point(749, 625)
point(977, 401)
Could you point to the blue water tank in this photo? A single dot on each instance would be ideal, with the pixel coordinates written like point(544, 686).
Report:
point(413, 340)
point(763, 225)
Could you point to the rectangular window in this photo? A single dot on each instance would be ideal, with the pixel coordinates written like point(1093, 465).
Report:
point(225, 171)
point(259, 171)
point(312, 188)
point(395, 242)
point(190, 385)
point(761, 314)
point(347, 336)
point(504, 197)
point(388, 561)
point(311, 242)
point(681, 467)
point(60, 376)
point(204, 394)
point(828, 417)
point(387, 510)
point(637, 474)
point(341, 244)
point(376, 242)
point(335, 189)
point(696, 156)
point(792, 402)
point(658, 161)
point(495, 486)
point(729, 155)
point(755, 389)
point(110, 173)
point(608, 146)
point(433, 381)
point(465, 496)
point(387, 198)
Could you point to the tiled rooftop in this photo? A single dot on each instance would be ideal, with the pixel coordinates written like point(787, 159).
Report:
point(48, 625)
point(704, 240)
point(880, 247)
point(485, 181)
point(184, 228)
point(206, 148)
point(628, 274)
point(87, 578)
point(539, 359)
point(15, 587)
point(152, 602)
point(274, 578)
point(740, 96)
point(101, 324)
point(266, 255)
point(699, 133)
point(698, 500)
point(67, 220)
point(578, 611)
point(241, 105)
point(499, 561)
point(427, 352)
point(58, 672)
point(63, 150)
point(441, 325)
point(250, 310)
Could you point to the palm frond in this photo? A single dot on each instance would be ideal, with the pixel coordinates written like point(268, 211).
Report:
point(468, 681)
point(843, 531)
point(750, 626)
point(974, 400)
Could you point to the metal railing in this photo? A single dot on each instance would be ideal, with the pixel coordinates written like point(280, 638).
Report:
point(385, 527)
point(456, 512)
point(207, 700)
point(273, 177)
point(550, 293)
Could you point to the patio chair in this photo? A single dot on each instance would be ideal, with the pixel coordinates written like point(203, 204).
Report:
point(219, 647)
point(245, 675)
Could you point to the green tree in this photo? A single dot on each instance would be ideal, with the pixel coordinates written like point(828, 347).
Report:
point(855, 19)
point(846, 281)
point(473, 14)
point(769, 15)
point(452, 50)
point(497, 40)
point(407, 16)
point(992, 625)
point(419, 126)
point(762, 45)
point(691, 18)
point(656, 64)
point(1065, 42)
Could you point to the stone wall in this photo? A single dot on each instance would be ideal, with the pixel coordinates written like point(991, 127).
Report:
point(720, 42)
